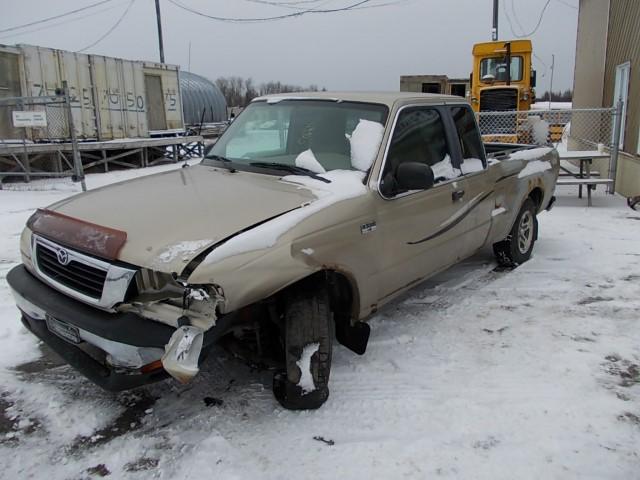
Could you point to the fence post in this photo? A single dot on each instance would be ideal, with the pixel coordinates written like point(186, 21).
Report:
point(615, 147)
point(26, 166)
point(78, 171)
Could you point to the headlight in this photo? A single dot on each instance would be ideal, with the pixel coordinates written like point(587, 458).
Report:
point(26, 250)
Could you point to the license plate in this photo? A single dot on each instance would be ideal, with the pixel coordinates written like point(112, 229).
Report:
point(63, 330)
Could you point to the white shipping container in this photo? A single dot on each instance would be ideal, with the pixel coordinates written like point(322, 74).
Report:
point(111, 98)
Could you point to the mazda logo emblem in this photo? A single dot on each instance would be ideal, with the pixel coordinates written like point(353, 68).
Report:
point(63, 257)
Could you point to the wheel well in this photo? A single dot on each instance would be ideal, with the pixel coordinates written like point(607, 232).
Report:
point(342, 294)
point(536, 195)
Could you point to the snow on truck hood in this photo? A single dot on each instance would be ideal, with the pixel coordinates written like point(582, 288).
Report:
point(171, 217)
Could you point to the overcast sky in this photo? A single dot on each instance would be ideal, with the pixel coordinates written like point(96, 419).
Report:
point(366, 49)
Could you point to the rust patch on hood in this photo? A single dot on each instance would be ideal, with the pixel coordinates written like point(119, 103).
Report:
point(84, 236)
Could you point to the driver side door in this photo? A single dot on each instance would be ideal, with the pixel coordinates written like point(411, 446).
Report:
point(419, 230)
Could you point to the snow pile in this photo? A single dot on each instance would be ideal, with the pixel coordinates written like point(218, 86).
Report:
point(277, 99)
point(539, 129)
point(444, 169)
point(530, 153)
point(344, 184)
point(185, 250)
point(472, 165)
point(498, 211)
point(365, 141)
point(552, 106)
point(304, 364)
point(536, 166)
point(308, 160)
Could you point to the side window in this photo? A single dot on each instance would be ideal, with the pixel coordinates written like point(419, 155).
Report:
point(473, 157)
point(419, 136)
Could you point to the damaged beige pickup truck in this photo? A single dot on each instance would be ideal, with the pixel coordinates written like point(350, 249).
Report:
point(308, 215)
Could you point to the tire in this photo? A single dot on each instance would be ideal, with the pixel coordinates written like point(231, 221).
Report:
point(517, 247)
point(308, 321)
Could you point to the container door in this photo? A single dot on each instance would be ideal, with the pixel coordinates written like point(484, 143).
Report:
point(155, 103)
point(9, 87)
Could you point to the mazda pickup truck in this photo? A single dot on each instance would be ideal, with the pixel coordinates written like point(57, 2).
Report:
point(309, 214)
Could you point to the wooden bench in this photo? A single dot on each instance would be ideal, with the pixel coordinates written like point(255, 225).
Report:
point(590, 183)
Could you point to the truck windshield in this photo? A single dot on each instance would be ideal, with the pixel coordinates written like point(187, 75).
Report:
point(497, 69)
point(279, 132)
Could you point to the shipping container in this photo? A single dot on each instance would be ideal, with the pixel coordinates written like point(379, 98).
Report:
point(113, 98)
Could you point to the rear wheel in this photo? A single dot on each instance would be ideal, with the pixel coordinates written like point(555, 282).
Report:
point(517, 247)
point(309, 331)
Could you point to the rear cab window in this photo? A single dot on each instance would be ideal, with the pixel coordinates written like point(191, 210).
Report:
point(473, 158)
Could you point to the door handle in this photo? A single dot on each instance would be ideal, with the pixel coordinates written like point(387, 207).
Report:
point(457, 195)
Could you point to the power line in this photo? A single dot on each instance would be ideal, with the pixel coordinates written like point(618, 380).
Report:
point(115, 25)
point(535, 29)
point(305, 5)
point(63, 22)
point(71, 12)
point(567, 4)
point(266, 19)
point(515, 16)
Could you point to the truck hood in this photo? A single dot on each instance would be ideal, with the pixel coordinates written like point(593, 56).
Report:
point(171, 217)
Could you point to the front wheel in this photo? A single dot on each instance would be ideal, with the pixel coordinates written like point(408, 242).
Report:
point(517, 247)
point(308, 338)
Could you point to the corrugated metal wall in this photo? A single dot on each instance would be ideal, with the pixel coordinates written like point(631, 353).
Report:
point(624, 46)
point(199, 96)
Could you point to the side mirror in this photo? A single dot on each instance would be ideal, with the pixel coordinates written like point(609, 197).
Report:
point(533, 79)
point(414, 176)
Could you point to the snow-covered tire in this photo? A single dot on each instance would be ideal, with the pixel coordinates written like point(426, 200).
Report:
point(309, 332)
point(517, 247)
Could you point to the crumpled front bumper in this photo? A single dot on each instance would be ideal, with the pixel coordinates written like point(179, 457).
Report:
point(127, 340)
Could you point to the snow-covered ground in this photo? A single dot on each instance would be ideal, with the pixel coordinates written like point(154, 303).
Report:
point(479, 373)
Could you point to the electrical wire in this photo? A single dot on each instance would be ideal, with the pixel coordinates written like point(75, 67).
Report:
point(266, 19)
point(515, 15)
point(63, 22)
point(298, 5)
point(113, 27)
point(567, 4)
point(535, 29)
point(71, 12)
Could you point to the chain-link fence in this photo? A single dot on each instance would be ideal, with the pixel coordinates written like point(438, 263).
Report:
point(578, 129)
point(570, 130)
point(27, 122)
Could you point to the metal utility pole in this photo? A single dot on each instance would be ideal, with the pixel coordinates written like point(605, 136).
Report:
point(78, 170)
point(494, 30)
point(159, 31)
point(553, 64)
point(189, 64)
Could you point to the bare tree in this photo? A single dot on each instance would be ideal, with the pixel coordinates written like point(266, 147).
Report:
point(239, 92)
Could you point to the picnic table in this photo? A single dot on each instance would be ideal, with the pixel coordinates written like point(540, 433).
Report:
point(581, 175)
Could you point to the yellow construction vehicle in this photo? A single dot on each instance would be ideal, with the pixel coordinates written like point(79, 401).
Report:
point(503, 80)
point(502, 77)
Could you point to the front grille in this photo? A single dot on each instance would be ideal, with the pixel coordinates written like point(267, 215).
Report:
point(499, 100)
point(83, 278)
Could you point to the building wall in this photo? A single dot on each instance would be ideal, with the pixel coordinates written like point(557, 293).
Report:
point(413, 83)
point(608, 36)
point(591, 50)
point(623, 45)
